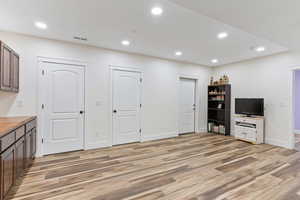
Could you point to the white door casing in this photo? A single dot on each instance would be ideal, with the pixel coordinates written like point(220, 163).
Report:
point(187, 105)
point(63, 113)
point(126, 96)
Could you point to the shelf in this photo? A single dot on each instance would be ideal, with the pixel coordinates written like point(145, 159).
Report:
point(216, 94)
point(218, 109)
point(219, 105)
point(216, 133)
point(214, 120)
point(218, 85)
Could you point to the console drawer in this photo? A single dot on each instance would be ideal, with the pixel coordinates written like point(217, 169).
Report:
point(245, 133)
point(30, 125)
point(20, 132)
point(251, 136)
point(7, 140)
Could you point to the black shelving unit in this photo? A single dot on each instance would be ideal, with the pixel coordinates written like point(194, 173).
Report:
point(219, 108)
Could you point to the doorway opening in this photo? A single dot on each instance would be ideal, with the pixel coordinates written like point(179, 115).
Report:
point(296, 109)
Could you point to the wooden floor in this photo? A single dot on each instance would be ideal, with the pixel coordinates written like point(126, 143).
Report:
point(189, 167)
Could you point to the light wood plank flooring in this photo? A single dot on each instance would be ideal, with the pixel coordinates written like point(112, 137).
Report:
point(190, 167)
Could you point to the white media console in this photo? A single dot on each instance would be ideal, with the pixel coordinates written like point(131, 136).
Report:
point(250, 129)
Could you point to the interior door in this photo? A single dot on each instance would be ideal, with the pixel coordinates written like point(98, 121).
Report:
point(63, 107)
point(187, 106)
point(126, 107)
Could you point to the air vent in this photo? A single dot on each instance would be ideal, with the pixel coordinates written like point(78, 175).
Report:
point(80, 38)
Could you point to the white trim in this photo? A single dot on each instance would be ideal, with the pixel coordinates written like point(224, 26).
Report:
point(73, 62)
point(110, 98)
point(97, 145)
point(202, 130)
point(61, 60)
point(276, 142)
point(160, 136)
point(124, 68)
point(197, 99)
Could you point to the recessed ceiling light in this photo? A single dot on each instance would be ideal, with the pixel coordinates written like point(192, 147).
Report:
point(41, 25)
point(157, 11)
point(260, 49)
point(222, 35)
point(126, 42)
point(214, 61)
point(178, 53)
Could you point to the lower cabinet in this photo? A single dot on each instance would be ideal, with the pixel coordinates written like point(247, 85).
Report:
point(28, 149)
point(20, 157)
point(33, 143)
point(16, 158)
point(7, 170)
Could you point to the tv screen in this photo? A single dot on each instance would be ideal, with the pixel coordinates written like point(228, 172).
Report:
point(249, 107)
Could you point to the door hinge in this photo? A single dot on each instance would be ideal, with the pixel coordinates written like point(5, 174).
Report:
point(42, 140)
point(140, 130)
point(43, 72)
point(140, 105)
point(141, 80)
point(43, 106)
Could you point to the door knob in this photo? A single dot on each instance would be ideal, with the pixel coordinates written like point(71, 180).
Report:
point(81, 112)
point(115, 111)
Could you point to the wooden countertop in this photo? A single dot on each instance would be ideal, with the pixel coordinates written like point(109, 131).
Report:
point(8, 124)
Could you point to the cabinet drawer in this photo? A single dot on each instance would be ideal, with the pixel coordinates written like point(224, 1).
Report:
point(7, 140)
point(245, 129)
point(20, 132)
point(240, 135)
point(251, 136)
point(30, 125)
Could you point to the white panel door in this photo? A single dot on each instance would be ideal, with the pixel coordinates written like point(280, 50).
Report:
point(187, 106)
point(63, 113)
point(126, 107)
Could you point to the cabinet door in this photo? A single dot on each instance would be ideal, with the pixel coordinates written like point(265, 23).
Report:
point(33, 143)
point(7, 170)
point(5, 68)
point(15, 72)
point(20, 156)
point(28, 149)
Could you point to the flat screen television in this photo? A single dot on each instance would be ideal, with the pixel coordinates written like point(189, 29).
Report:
point(249, 107)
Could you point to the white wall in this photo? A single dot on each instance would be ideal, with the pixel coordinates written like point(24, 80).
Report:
point(160, 86)
point(269, 78)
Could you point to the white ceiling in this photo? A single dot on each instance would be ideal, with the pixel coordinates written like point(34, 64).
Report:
point(183, 26)
point(275, 20)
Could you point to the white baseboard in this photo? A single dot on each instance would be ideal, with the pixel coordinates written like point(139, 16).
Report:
point(280, 143)
point(202, 130)
point(98, 145)
point(297, 131)
point(159, 136)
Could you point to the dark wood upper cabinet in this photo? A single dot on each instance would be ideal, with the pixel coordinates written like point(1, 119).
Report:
point(9, 69)
point(15, 72)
